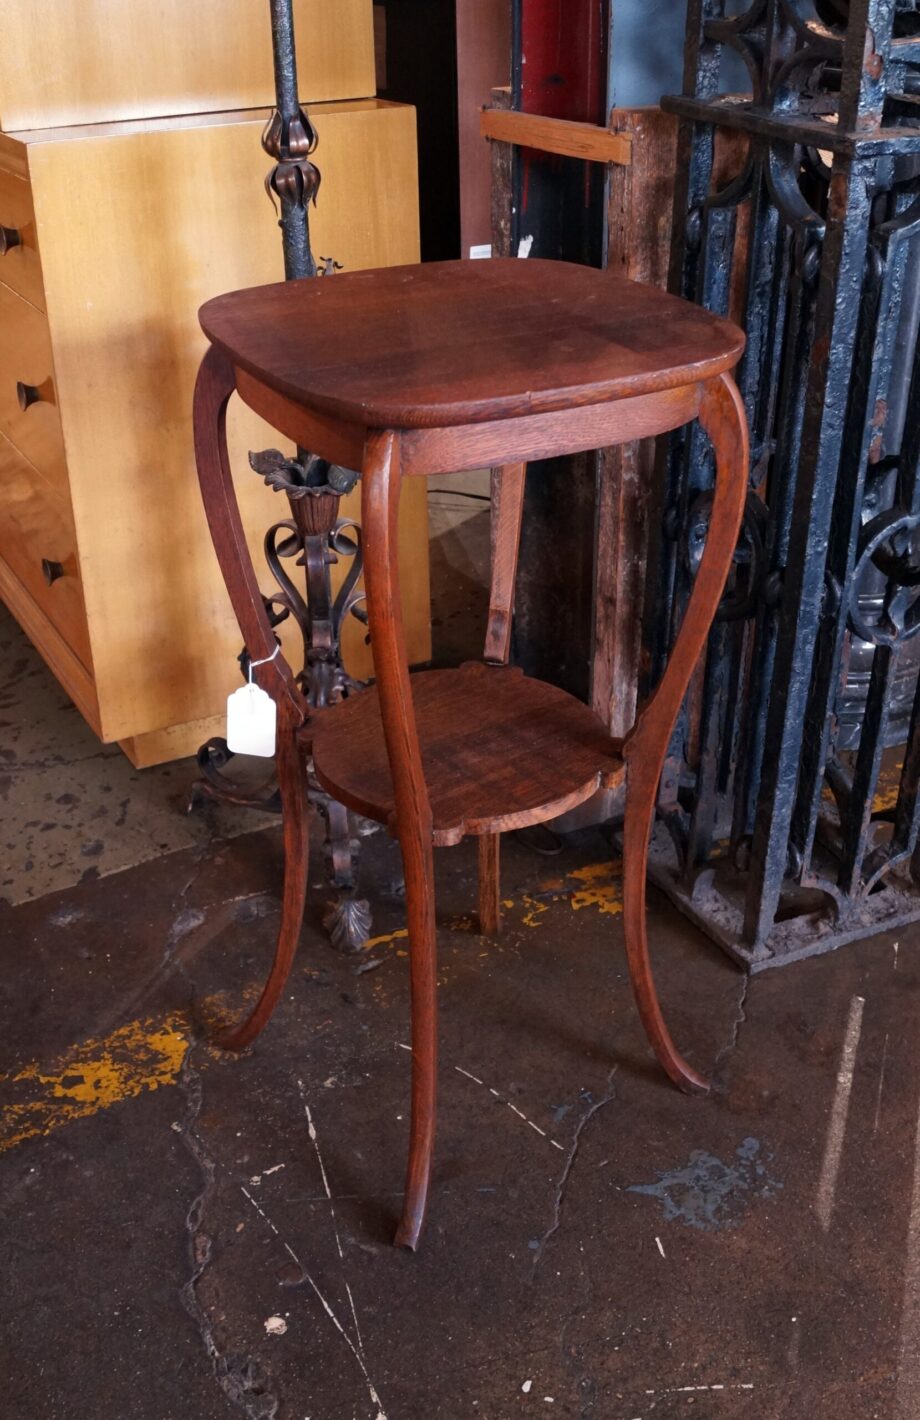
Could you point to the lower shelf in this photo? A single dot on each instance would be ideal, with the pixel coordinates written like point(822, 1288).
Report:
point(500, 751)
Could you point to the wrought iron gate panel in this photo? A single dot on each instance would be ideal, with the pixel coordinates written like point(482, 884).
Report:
point(776, 841)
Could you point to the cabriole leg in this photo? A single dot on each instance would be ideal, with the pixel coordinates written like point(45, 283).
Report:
point(292, 786)
point(722, 416)
point(212, 392)
point(380, 511)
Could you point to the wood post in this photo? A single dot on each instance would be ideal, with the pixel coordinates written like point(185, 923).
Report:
point(640, 200)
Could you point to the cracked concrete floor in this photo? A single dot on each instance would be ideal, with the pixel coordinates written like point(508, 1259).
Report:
point(70, 807)
point(187, 1235)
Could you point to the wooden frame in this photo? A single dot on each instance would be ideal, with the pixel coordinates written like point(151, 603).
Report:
point(387, 752)
point(557, 135)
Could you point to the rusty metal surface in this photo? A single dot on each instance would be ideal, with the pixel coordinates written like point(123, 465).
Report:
point(811, 674)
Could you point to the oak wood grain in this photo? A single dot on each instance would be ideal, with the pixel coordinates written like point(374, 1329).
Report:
point(501, 156)
point(499, 751)
point(138, 224)
point(640, 201)
point(57, 650)
point(722, 416)
point(482, 748)
point(403, 348)
point(175, 742)
point(507, 512)
point(556, 135)
point(67, 62)
point(25, 356)
point(468, 446)
point(490, 891)
point(20, 265)
point(36, 525)
point(380, 498)
point(531, 437)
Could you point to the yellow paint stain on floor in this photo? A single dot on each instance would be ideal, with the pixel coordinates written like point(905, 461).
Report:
point(885, 799)
point(886, 794)
point(533, 910)
point(143, 1055)
point(603, 888)
point(386, 939)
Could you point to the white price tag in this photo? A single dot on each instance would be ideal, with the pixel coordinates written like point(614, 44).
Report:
point(251, 720)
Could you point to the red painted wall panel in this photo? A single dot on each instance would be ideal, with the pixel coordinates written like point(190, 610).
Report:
point(564, 58)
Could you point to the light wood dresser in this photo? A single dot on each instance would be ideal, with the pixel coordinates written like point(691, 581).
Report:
point(90, 61)
point(113, 234)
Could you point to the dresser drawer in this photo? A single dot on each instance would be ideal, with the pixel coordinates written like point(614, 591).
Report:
point(19, 263)
point(38, 544)
point(29, 414)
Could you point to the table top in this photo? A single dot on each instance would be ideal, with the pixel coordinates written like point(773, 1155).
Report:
point(462, 342)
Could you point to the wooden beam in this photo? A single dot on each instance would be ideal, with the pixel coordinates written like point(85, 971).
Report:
point(502, 155)
point(639, 211)
point(557, 135)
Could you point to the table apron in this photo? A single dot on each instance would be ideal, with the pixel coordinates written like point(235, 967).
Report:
point(455, 448)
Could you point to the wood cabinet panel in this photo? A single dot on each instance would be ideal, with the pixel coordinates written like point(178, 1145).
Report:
point(27, 374)
point(20, 268)
point(139, 224)
point(89, 61)
point(36, 530)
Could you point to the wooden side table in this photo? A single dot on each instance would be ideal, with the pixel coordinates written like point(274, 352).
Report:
point(423, 370)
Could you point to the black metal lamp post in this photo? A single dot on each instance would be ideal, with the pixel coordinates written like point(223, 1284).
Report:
point(314, 537)
point(290, 139)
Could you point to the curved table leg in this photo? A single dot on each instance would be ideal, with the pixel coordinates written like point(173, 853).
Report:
point(212, 393)
point(380, 482)
point(292, 785)
point(722, 416)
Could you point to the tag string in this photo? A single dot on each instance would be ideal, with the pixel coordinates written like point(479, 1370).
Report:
point(264, 662)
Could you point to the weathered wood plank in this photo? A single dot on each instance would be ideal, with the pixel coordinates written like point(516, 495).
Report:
point(563, 136)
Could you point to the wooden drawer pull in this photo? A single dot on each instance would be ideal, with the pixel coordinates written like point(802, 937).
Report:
point(9, 238)
point(27, 394)
point(51, 571)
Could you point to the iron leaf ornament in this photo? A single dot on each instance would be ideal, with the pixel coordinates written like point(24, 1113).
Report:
point(309, 477)
point(294, 179)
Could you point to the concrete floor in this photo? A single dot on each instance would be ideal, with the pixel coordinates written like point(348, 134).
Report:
point(187, 1235)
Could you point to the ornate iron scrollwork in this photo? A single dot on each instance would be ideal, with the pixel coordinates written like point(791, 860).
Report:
point(781, 833)
point(745, 588)
point(887, 544)
point(314, 538)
